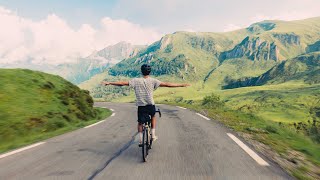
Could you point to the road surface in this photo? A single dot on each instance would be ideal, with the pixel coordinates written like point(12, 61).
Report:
point(189, 147)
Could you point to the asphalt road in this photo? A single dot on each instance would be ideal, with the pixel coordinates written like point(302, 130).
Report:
point(189, 147)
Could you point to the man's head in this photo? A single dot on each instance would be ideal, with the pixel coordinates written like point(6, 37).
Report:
point(145, 69)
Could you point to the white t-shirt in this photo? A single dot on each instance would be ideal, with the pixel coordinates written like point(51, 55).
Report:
point(143, 88)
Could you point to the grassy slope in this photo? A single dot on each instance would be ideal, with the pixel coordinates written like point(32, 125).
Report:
point(94, 81)
point(35, 105)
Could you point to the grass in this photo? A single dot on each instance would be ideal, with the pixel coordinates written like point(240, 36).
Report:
point(35, 105)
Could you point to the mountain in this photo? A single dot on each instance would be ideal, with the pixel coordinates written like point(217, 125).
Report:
point(217, 59)
point(35, 104)
point(84, 68)
point(186, 54)
point(305, 68)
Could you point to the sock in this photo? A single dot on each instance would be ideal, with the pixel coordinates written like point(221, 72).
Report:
point(140, 137)
point(153, 132)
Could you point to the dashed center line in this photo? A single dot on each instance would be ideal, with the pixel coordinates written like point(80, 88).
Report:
point(203, 116)
point(251, 153)
point(181, 107)
point(20, 150)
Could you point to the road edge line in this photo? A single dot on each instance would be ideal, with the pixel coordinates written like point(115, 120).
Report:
point(20, 150)
point(208, 119)
point(113, 114)
point(181, 107)
point(94, 124)
point(250, 152)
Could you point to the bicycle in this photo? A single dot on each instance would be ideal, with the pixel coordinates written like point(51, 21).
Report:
point(147, 137)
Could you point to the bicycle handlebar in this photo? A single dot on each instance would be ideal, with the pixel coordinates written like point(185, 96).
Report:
point(158, 111)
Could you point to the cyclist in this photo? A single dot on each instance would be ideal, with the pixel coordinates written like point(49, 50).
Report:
point(144, 88)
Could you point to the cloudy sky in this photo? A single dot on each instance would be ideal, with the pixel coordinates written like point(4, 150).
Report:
point(56, 31)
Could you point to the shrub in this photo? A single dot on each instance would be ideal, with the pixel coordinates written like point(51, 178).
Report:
point(212, 101)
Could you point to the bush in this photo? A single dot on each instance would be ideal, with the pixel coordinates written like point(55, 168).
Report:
point(178, 99)
point(212, 101)
point(272, 129)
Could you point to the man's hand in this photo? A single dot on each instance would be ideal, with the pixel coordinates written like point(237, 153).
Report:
point(105, 83)
point(173, 85)
point(186, 85)
point(119, 83)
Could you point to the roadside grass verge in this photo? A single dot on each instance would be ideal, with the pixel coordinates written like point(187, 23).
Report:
point(33, 137)
point(292, 150)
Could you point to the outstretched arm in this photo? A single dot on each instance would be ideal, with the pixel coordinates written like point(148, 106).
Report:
point(119, 83)
point(167, 84)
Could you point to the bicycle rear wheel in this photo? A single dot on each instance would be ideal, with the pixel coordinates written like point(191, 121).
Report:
point(145, 144)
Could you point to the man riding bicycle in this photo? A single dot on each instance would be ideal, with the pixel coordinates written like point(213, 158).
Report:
point(144, 88)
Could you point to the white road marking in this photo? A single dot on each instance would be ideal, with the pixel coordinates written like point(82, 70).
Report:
point(95, 124)
point(181, 107)
point(98, 122)
point(20, 150)
point(251, 153)
point(112, 110)
point(203, 116)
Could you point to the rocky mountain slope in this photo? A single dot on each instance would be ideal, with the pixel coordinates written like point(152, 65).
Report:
point(304, 68)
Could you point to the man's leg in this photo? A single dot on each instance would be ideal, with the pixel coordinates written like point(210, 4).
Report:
point(140, 133)
point(153, 122)
point(153, 128)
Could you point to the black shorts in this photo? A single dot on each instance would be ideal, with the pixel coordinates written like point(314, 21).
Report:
point(144, 113)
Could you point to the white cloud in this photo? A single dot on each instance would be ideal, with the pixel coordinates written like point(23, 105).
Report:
point(231, 27)
point(212, 15)
point(53, 40)
point(287, 16)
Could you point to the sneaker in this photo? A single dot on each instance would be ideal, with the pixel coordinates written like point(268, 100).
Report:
point(140, 145)
point(154, 138)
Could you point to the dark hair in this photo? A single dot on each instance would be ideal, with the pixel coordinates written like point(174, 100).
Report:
point(145, 69)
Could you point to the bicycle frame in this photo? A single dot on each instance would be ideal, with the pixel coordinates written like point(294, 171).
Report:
point(147, 137)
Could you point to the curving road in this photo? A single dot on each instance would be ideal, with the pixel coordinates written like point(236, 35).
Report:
point(189, 147)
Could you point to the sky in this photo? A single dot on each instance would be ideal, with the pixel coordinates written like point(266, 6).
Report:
point(57, 31)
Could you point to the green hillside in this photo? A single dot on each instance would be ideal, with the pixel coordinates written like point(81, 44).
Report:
point(36, 105)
